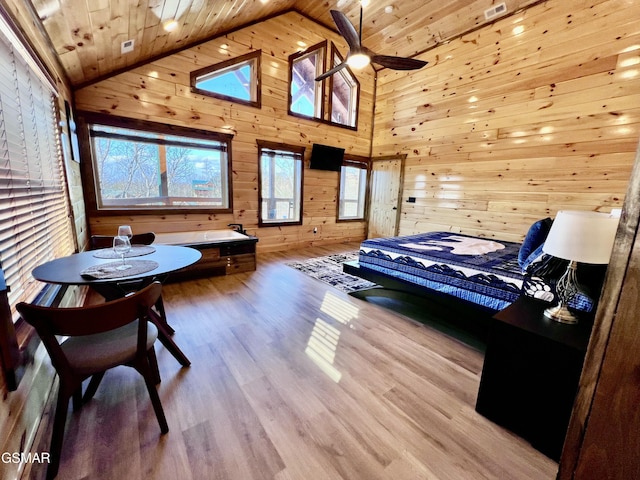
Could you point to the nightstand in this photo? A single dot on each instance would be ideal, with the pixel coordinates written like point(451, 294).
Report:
point(531, 372)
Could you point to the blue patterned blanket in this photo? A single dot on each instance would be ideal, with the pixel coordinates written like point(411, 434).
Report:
point(479, 270)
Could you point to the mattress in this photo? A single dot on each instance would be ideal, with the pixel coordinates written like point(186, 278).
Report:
point(479, 270)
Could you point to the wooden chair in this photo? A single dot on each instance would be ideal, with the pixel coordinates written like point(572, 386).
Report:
point(147, 238)
point(100, 337)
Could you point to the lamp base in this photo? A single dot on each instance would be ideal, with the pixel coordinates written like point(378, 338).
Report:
point(560, 313)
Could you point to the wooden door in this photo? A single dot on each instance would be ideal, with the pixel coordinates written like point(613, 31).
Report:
point(385, 194)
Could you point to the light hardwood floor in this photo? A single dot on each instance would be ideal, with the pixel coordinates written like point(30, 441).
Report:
point(293, 379)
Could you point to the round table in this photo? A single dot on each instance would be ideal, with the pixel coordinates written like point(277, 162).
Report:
point(66, 271)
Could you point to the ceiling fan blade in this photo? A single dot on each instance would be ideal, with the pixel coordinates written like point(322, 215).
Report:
point(328, 73)
point(398, 63)
point(346, 29)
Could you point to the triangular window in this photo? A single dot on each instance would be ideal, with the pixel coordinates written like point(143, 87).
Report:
point(237, 80)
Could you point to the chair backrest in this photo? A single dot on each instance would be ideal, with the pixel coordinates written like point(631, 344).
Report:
point(90, 319)
point(106, 241)
point(50, 322)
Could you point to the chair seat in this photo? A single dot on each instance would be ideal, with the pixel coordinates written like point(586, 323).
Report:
point(89, 354)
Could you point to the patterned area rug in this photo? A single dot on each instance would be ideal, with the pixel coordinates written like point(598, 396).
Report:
point(329, 270)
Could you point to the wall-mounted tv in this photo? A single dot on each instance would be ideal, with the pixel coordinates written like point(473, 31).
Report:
point(324, 157)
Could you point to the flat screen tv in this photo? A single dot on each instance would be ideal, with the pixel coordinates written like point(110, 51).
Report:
point(324, 157)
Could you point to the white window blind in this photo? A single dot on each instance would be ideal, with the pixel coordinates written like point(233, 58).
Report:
point(34, 211)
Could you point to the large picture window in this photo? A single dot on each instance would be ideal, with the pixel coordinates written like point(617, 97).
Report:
point(146, 167)
point(280, 184)
point(353, 189)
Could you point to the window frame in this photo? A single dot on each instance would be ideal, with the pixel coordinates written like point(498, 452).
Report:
point(256, 79)
point(356, 102)
point(296, 150)
point(355, 161)
point(86, 119)
point(325, 88)
point(319, 88)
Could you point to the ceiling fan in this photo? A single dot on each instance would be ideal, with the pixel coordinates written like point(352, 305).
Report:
point(360, 56)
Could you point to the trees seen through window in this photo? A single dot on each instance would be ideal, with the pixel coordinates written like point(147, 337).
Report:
point(353, 186)
point(280, 184)
point(150, 170)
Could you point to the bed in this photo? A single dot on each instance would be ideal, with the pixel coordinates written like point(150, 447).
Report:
point(485, 273)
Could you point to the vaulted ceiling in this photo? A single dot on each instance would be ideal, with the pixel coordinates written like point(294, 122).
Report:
point(87, 34)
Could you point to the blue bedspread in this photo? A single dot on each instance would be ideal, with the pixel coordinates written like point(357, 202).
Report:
point(482, 271)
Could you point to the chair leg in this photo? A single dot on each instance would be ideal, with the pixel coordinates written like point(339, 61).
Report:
point(167, 341)
point(77, 399)
point(57, 436)
point(153, 363)
point(163, 315)
point(92, 387)
point(145, 370)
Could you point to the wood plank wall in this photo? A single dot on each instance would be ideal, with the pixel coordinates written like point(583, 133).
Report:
point(159, 91)
point(538, 112)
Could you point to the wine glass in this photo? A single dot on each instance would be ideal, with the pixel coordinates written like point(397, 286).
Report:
point(122, 245)
point(125, 231)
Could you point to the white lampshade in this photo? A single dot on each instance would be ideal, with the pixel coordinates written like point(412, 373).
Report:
point(585, 237)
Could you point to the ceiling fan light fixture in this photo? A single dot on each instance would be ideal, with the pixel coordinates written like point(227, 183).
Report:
point(359, 56)
point(358, 60)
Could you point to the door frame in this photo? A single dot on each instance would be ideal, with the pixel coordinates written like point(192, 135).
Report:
point(402, 157)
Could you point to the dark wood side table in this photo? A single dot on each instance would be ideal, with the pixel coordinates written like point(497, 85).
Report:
point(531, 372)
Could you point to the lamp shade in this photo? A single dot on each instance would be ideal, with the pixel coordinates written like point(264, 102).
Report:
point(582, 236)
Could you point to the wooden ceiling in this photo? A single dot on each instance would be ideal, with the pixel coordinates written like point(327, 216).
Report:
point(87, 34)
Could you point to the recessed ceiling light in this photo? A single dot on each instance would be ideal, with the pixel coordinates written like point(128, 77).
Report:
point(388, 9)
point(170, 25)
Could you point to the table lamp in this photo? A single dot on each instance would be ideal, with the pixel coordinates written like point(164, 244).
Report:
point(577, 236)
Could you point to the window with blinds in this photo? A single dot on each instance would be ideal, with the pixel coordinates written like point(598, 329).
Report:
point(34, 210)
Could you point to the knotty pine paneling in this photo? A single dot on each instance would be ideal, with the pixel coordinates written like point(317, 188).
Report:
point(87, 34)
point(508, 124)
point(159, 91)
